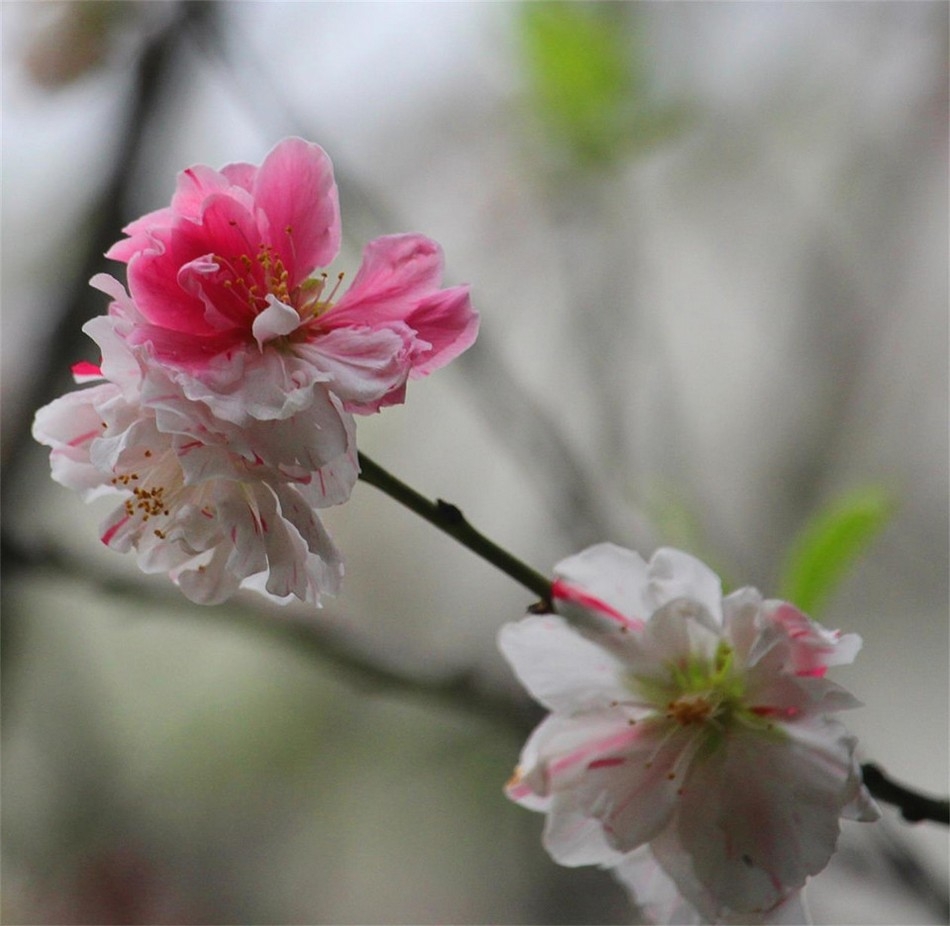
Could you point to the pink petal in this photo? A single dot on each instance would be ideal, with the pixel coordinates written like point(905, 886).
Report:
point(447, 322)
point(86, 372)
point(194, 185)
point(172, 282)
point(240, 174)
point(814, 649)
point(295, 190)
point(156, 289)
point(397, 271)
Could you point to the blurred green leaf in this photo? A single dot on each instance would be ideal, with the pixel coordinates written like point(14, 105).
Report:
point(829, 545)
point(587, 73)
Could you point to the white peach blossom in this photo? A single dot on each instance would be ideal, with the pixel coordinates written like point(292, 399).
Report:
point(691, 726)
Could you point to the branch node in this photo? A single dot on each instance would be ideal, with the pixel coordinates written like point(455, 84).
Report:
point(450, 514)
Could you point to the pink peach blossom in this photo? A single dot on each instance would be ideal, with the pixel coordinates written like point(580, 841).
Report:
point(224, 279)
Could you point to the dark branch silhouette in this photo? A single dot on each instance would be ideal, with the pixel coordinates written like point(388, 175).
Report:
point(914, 807)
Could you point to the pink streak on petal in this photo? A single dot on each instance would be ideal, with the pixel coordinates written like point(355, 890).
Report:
point(84, 371)
point(606, 763)
point(617, 742)
point(787, 713)
point(563, 591)
point(111, 532)
point(82, 438)
point(519, 791)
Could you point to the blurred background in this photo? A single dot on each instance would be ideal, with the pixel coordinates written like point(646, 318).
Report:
point(709, 246)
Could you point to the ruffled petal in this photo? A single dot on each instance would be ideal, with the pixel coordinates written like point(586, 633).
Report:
point(813, 648)
point(396, 273)
point(243, 385)
point(363, 366)
point(70, 425)
point(207, 580)
point(446, 325)
point(760, 814)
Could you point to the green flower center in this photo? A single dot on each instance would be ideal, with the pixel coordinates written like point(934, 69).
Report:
point(708, 695)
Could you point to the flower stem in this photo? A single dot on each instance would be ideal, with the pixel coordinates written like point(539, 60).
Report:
point(449, 519)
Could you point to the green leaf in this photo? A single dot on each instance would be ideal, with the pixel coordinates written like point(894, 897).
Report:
point(586, 68)
point(578, 71)
point(829, 545)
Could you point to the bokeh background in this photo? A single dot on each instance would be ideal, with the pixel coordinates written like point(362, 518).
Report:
point(709, 246)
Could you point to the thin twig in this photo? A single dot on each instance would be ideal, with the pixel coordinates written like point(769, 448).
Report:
point(449, 519)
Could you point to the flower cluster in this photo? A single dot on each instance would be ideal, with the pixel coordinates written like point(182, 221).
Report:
point(231, 371)
point(690, 746)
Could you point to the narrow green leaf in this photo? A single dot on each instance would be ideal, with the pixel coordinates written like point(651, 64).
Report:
point(580, 71)
point(829, 545)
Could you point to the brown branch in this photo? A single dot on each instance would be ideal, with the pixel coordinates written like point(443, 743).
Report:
point(914, 807)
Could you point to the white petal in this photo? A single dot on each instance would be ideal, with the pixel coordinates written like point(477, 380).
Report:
point(559, 667)
point(246, 384)
point(559, 753)
point(119, 365)
point(758, 815)
point(209, 583)
point(674, 574)
point(276, 320)
point(612, 574)
point(295, 509)
point(70, 425)
point(601, 767)
point(653, 891)
point(333, 483)
point(573, 838)
point(679, 632)
point(363, 364)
